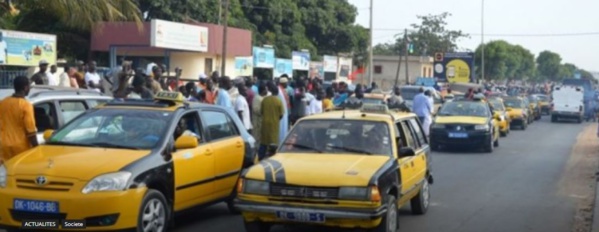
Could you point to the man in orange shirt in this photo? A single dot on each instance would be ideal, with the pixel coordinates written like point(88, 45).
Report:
point(17, 122)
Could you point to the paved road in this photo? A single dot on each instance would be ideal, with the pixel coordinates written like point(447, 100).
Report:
point(517, 188)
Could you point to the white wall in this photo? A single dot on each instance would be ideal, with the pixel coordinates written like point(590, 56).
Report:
point(193, 64)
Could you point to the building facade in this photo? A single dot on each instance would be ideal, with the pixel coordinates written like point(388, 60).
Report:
point(385, 70)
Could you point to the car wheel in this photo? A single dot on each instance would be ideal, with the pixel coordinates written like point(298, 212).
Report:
point(580, 120)
point(154, 213)
point(256, 226)
point(524, 125)
point(496, 143)
point(231, 204)
point(421, 202)
point(488, 148)
point(553, 118)
point(390, 221)
point(503, 133)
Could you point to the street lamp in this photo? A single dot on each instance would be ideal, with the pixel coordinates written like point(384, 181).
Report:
point(482, 40)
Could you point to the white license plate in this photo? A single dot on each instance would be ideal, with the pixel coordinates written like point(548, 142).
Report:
point(301, 216)
point(458, 135)
point(35, 206)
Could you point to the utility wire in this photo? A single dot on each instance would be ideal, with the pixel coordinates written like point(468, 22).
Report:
point(509, 35)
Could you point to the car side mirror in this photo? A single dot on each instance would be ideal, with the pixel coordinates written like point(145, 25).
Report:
point(48, 134)
point(186, 142)
point(406, 152)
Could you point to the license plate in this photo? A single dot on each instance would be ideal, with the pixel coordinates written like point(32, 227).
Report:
point(458, 135)
point(35, 206)
point(301, 216)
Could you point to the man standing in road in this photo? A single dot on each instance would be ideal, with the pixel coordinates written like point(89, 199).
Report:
point(41, 77)
point(3, 50)
point(273, 112)
point(396, 98)
point(17, 122)
point(92, 78)
point(422, 106)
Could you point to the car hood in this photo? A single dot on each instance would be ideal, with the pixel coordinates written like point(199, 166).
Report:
point(318, 169)
point(515, 112)
point(460, 119)
point(83, 163)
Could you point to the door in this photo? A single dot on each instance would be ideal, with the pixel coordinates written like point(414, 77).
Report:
point(229, 150)
point(406, 163)
point(422, 153)
point(208, 66)
point(194, 168)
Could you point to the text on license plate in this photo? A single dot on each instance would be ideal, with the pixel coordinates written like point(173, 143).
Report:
point(458, 135)
point(301, 216)
point(35, 206)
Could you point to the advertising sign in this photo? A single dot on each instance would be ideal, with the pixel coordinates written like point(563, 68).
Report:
point(179, 36)
point(264, 57)
point(454, 67)
point(316, 70)
point(301, 61)
point(244, 66)
point(283, 66)
point(330, 64)
point(26, 49)
point(345, 67)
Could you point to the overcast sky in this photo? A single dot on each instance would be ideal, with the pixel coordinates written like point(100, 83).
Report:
point(502, 17)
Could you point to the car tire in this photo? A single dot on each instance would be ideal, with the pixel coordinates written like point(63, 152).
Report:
point(154, 212)
point(579, 120)
point(256, 226)
point(553, 118)
point(420, 203)
point(496, 143)
point(524, 125)
point(231, 204)
point(503, 134)
point(390, 221)
point(488, 148)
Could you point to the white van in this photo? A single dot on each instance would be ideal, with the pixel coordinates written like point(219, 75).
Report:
point(567, 103)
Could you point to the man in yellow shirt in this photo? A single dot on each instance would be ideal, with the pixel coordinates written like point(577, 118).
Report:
point(17, 122)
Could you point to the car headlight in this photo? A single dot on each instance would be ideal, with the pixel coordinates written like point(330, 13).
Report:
point(501, 117)
point(438, 126)
point(481, 127)
point(256, 187)
point(3, 176)
point(354, 193)
point(108, 182)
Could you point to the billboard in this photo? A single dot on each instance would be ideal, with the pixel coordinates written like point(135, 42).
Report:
point(455, 67)
point(330, 64)
point(316, 70)
point(26, 49)
point(301, 61)
point(345, 67)
point(179, 36)
point(283, 66)
point(264, 57)
point(244, 66)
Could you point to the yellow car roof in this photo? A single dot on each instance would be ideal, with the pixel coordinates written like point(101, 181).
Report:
point(359, 115)
point(163, 101)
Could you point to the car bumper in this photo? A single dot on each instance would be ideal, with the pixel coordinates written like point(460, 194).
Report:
point(518, 121)
point(102, 211)
point(565, 114)
point(336, 217)
point(474, 139)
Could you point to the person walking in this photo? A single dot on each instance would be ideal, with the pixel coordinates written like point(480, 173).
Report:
point(284, 123)
point(92, 78)
point(273, 113)
point(243, 108)
point(422, 106)
point(222, 94)
point(64, 80)
point(395, 98)
point(257, 112)
point(17, 122)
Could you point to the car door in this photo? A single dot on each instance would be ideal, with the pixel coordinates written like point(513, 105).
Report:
point(406, 163)
point(194, 168)
point(45, 118)
point(421, 160)
point(228, 147)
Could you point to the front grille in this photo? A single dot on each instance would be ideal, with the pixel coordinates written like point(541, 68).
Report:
point(20, 216)
point(304, 192)
point(60, 186)
point(459, 127)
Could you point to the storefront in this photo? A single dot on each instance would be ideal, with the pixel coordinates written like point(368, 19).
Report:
point(196, 48)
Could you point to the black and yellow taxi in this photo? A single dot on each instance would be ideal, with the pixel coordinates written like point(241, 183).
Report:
point(535, 106)
point(129, 164)
point(518, 110)
point(465, 123)
point(501, 114)
point(345, 169)
point(544, 103)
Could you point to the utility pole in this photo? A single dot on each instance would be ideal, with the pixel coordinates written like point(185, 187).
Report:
point(225, 29)
point(398, 67)
point(405, 40)
point(370, 67)
point(482, 40)
point(220, 11)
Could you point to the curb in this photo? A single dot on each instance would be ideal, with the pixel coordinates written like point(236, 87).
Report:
point(595, 224)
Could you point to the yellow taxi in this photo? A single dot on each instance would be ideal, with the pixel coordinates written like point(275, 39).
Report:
point(518, 110)
point(501, 113)
point(347, 169)
point(375, 98)
point(128, 164)
point(465, 123)
point(535, 105)
point(544, 103)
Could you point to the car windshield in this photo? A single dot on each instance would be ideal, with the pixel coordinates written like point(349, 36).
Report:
point(542, 98)
point(513, 103)
point(461, 108)
point(339, 136)
point(497, 105)
point(408, 94)
point(115, 128)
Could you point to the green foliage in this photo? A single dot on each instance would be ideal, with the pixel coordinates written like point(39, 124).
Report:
point(505, 61)
point(549, 66)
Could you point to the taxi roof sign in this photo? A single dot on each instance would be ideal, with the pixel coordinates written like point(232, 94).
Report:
point(375, 108)
point(169, 96)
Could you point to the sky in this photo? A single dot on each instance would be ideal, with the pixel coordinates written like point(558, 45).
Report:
point(502, 20)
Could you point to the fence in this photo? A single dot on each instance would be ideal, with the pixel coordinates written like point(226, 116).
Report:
point(7, 77)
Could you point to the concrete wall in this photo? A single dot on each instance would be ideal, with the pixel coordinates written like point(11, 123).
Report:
point(418, 66)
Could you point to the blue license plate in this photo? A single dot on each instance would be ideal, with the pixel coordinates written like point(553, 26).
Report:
point(301, 216)
point(458, 135)
point(35, 206)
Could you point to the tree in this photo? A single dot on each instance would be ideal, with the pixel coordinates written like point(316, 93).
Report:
point(548, 66)
point(431, 35)
point(386, 49)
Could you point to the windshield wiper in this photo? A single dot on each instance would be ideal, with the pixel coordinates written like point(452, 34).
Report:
point(64, 143)
point(112, 145)
point(301, 146)
point(350, 149)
